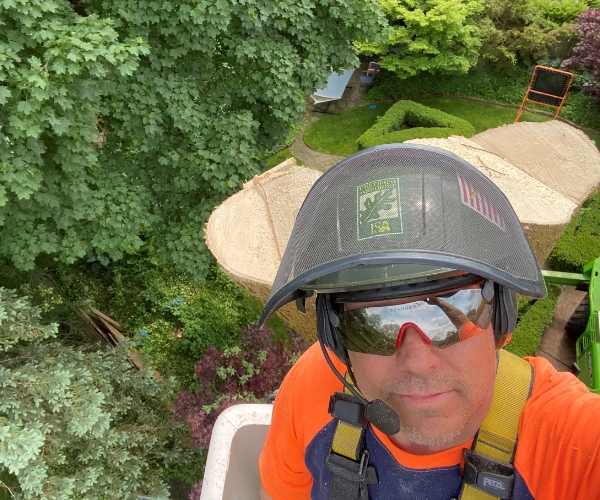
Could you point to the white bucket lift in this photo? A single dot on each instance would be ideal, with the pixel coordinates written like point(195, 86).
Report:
point(232, 464)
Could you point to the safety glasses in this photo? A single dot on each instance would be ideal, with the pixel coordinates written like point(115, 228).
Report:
point(441, 319)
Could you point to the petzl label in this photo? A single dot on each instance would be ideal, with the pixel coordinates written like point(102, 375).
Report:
point(378, 209)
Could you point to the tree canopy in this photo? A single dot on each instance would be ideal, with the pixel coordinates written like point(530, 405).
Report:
point(79, 422)
point(428, 35)
point(124, 122)
point(513, 30)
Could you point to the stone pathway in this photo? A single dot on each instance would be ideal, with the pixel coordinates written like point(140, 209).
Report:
point(353, 95)
point(555, 345)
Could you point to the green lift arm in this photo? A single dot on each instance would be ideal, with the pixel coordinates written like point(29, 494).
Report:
point(584, 324)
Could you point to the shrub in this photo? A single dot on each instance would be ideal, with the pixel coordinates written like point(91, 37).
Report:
point(534, 317)
point(172, 317)
point(281, 156)
point(482, 82)
point(580, 242)
point(561, 12)
point(79, 423)
point(425, 122)
point(249, 372)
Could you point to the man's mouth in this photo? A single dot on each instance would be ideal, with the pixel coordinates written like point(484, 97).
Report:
point(424, 399)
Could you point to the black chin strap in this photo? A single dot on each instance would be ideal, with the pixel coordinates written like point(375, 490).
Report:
point(335, 371)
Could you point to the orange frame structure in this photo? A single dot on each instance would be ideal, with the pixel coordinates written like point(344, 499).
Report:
point(531, 93)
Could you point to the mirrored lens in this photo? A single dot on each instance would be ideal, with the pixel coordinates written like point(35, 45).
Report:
point(445, 320)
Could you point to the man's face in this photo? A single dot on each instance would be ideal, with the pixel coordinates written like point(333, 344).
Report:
point(440, 395)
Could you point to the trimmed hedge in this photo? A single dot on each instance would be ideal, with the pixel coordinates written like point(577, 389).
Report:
point(484, 83)
point(580, 242)
point(425, 123)
point(534, 317)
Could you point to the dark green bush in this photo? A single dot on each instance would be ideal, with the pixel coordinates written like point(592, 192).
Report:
point(485, 83)
point(424, 122)
point(277, 158)
point(580, 241)
point(534, 318)
point(173, 318)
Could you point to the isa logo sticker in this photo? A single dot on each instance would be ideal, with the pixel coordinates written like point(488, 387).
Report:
point(378, 209)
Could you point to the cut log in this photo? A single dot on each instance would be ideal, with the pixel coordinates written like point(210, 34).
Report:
point(556, 154)
point(546, 170)
point(543, 212)
point(248, 234)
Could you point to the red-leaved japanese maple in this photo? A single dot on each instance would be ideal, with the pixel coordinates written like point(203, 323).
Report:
point(586, 54)
point(241, 374)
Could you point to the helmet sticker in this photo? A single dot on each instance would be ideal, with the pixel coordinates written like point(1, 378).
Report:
point(475, 200)
point(378, 209)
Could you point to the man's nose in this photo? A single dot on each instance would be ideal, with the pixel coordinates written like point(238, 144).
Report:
point(415, 354)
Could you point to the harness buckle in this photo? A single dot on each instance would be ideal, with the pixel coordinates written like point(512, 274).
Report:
point(347, 409)
point(364, 462)
point(492, 476)
point(350, 470)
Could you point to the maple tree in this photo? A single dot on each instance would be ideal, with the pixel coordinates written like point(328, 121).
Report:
point(427, 35)
point(124, 122)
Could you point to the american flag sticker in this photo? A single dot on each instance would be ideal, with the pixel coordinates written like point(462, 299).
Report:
point(475, 200)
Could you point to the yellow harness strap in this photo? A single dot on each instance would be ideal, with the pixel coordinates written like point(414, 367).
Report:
point(348, 439)
point(497, 436)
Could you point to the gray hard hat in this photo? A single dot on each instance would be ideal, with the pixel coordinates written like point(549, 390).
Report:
point(398, 214)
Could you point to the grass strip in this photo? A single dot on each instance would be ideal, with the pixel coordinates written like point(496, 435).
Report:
point(580, 241)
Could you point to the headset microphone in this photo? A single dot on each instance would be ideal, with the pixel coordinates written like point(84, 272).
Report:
point(376, 412)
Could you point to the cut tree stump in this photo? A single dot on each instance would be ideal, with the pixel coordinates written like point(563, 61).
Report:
point(248, 234)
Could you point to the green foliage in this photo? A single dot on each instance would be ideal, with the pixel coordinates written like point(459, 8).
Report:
point(437, 36)
point(424, 122)
point(125, 121)
point(80, 423)
point(534, 318)
point(580, 242)
point(485, 83)
point(561, 12)
point(481, 82)
point(283, 155)
point(518, 30)
point(172, 317)
point(17, 320)
point(54, 198)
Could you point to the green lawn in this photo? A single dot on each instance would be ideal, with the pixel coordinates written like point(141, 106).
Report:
point(337, 134)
